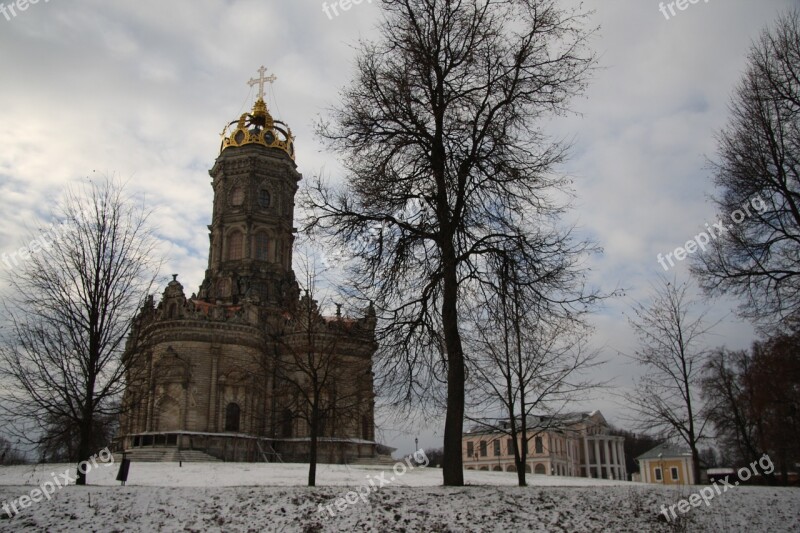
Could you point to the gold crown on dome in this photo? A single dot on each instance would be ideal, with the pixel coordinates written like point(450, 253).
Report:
point(258, 126)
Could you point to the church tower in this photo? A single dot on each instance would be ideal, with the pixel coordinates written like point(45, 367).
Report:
point(215, 375)
point(251, 233)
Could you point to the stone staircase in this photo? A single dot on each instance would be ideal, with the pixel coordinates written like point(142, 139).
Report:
point(378, 460)
point(166, 455)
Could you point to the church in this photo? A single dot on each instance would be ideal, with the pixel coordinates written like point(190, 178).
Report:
point(241, 370)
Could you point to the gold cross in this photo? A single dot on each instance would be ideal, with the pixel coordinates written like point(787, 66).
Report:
point(261, 80)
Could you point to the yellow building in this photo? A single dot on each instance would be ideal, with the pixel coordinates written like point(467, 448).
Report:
point(574, 444)
point(666, 464)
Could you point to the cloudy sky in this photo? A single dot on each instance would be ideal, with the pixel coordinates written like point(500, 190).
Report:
point(142, 89)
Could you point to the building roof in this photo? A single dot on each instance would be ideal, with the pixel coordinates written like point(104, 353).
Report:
point(665, 450)
point(559, 421)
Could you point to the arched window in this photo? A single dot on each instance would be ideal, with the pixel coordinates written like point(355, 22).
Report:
point(235, 246)
point(232, 413)
point(261, 246)
point(540, 469)
point(286, 423)
point(237, 196)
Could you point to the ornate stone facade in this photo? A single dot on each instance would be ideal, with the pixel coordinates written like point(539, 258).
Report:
point(210, 370)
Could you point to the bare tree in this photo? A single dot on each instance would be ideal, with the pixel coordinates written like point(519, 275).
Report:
point(9, 454)
point(526, 363)
point(727, 404)
point(757, 257)
point(321, 375)
point(70, 313)
point(666, 399)
point(753, 401)
point(439, 133)
point(60, 442)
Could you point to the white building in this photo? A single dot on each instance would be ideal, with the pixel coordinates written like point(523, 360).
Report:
point(574, 444)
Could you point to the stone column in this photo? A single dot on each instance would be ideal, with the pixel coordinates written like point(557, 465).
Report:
point(212, 397)
point(686, 475)
point(572, 446)
point(586, 450)
point(607, 458)
point(615, 460)
point(151, 396)
point(597, 458)
point(185, 417)
point(568, 452)
point(622, 462)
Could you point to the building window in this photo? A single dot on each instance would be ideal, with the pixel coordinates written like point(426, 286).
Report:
point(262, 246)
point(263, 197)
point(510, 444)
point(235, 246)
point(484, 452)
point(538, 445)
point(470, 449)
point(232, 413)
point(673, 472)
point(237, 196)
point(658, 474)
point(497, 448)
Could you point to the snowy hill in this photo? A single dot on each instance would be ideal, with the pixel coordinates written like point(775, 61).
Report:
point(271, 497)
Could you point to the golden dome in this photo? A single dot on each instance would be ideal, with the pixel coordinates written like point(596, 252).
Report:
point(258, 127)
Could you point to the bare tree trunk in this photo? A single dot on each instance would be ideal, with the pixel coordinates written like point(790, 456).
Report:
point(312, 448)
point(453, 471)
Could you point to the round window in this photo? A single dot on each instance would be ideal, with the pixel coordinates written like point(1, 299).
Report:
point(264, 197)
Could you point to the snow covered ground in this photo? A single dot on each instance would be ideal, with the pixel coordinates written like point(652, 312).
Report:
point(271, 497)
